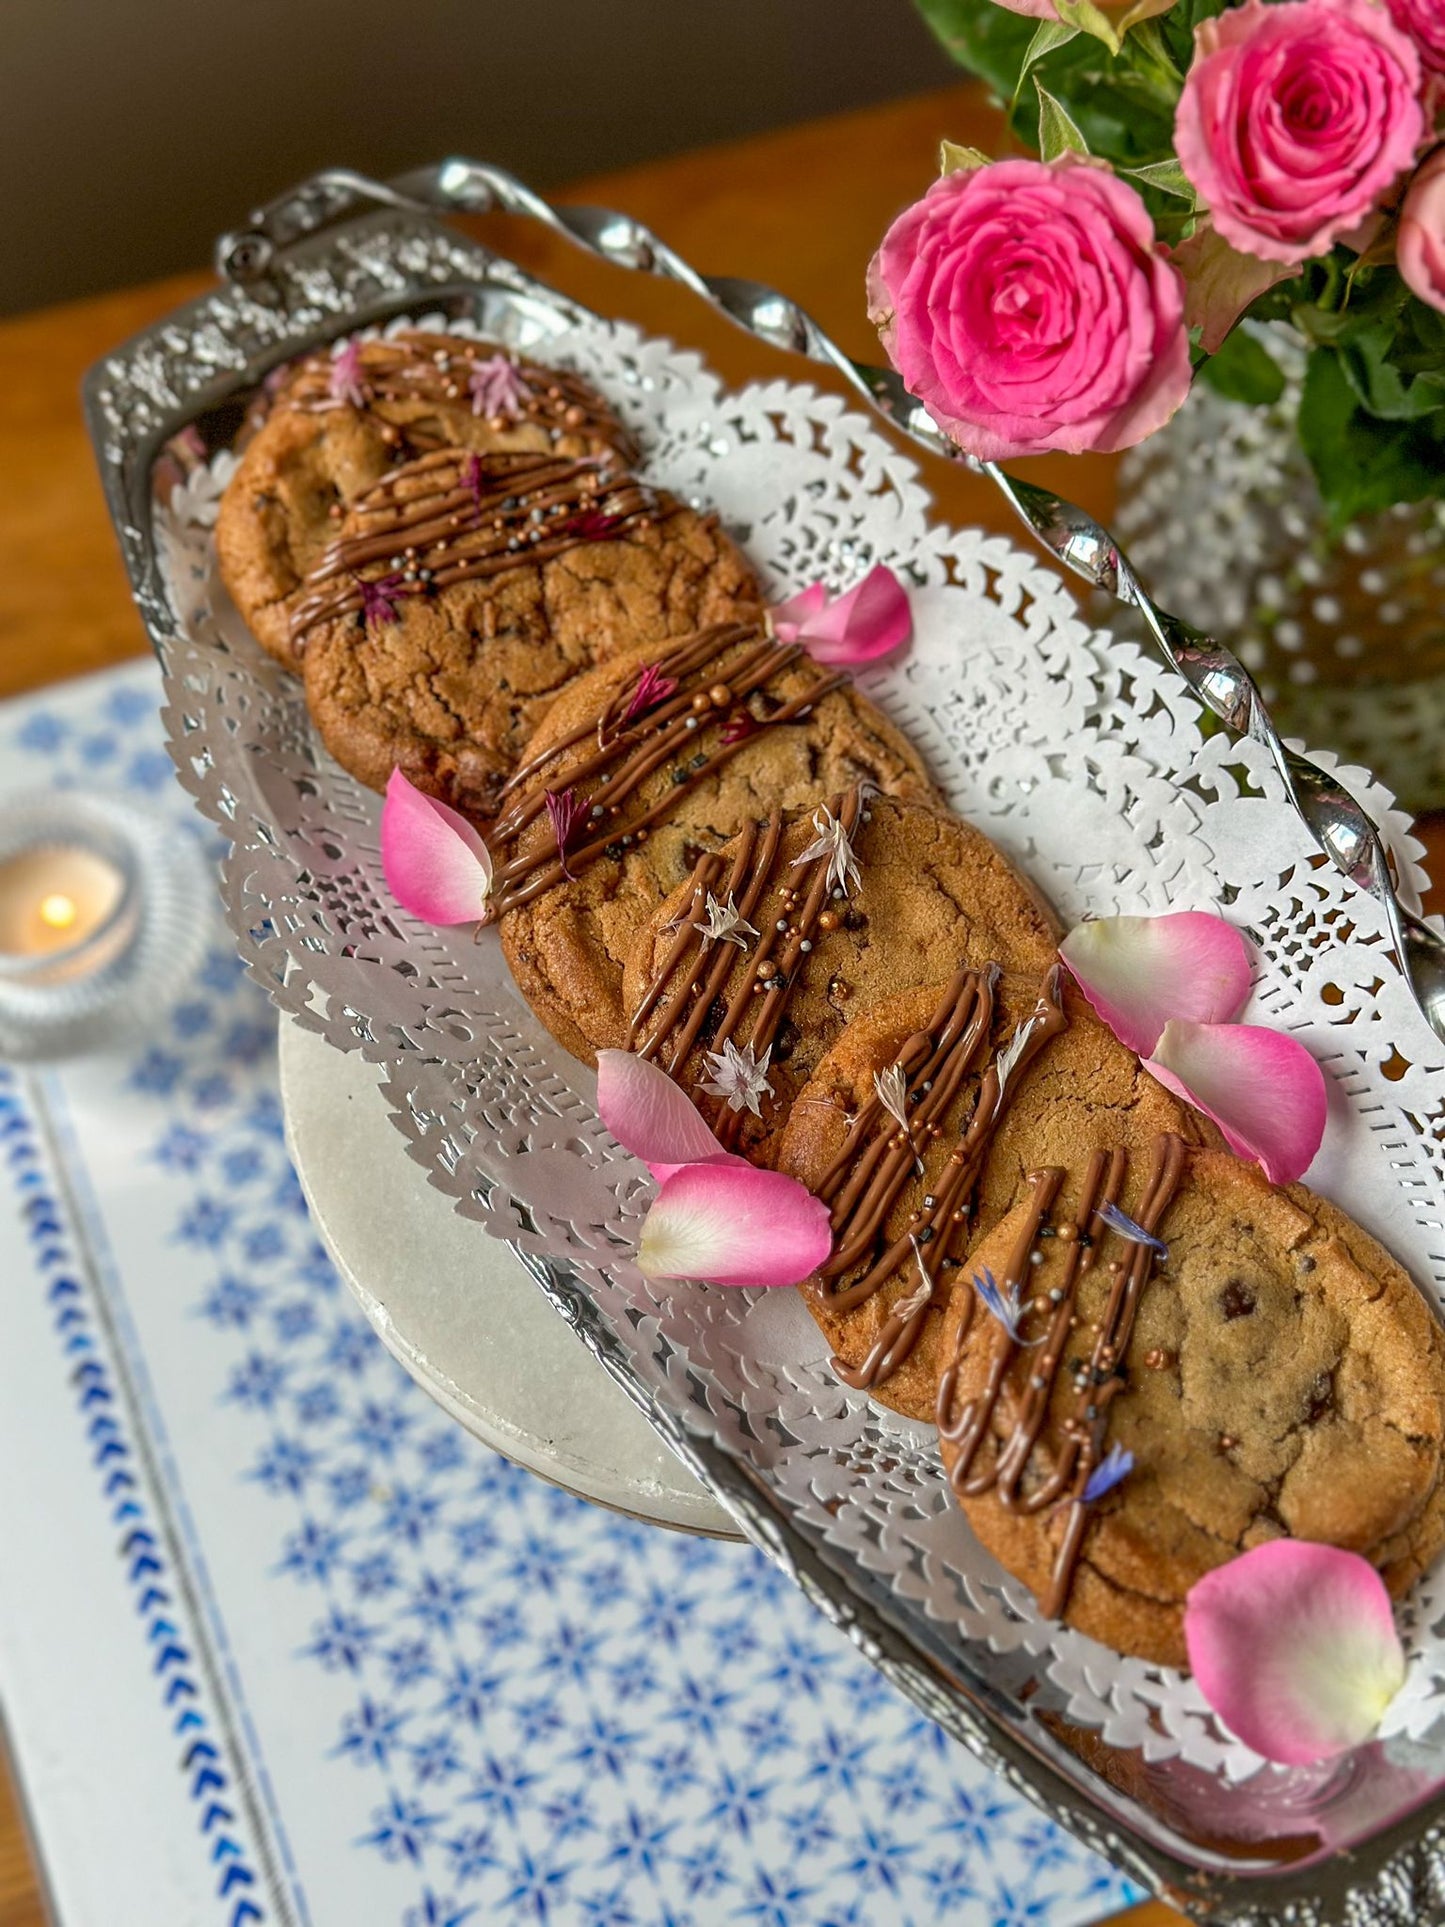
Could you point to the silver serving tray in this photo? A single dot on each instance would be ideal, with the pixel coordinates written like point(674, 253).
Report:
point(312, 267)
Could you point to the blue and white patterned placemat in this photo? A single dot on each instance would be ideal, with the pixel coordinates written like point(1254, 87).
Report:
point(279, 1643)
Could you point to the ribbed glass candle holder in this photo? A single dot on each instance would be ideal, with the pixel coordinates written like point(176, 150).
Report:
point(100, 920)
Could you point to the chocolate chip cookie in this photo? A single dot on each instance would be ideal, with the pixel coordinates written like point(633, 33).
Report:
point(651, 762)
point(465, 591)
point(852, 902)
point(916, 1130)
point(1274, 1372)
point(343, 419)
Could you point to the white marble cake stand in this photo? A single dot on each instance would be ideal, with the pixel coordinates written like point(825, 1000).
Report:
point(458, 1309)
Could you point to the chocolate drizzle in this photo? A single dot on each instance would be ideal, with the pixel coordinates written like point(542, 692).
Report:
point(443, 370)
point(765, 990)
point(1097, 1380)
point(879, 1158)
point(687, 731)
point(453, 517)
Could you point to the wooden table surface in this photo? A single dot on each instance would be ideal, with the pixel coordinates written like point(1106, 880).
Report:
point(801, 209)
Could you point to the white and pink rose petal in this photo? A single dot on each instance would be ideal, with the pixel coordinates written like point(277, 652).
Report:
point(726, 1223)
point(1138, 972)
point(1295, 1648)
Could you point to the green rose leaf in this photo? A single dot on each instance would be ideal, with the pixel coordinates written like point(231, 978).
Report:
point(1361, 462)
point(1379, 383)
point(1049, 35)
point(1057, 132)
point(953, 159)
point(1084, 16)
point(1346, 304)
point(1123, 107)
point(1244, 370)
point(1169, 177)
point(1149, 50)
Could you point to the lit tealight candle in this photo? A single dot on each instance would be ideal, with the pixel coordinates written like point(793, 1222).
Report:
point(56, 899)
point(98, 924)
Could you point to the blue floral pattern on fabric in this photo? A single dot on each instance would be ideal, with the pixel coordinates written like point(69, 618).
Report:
point(549, 1714)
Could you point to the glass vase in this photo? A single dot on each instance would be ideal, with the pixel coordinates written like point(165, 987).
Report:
point(1344, 632)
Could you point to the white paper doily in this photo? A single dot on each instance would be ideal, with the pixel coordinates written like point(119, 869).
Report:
point(1079, 756)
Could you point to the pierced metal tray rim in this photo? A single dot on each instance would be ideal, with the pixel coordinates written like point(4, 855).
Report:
point(1397, 1876)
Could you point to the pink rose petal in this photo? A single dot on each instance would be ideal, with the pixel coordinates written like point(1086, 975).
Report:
point(869, 621)
point(1420, 243)
point(1424, 22)
point(729, 1224)
point(1294, 1646)
point(436, 864)
point(1261, 1087)
point(649, 1115)
point(796, 611)
point(1138, 972)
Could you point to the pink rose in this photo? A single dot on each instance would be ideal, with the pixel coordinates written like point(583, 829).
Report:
point(1424, 22)
point(1420, 244)
point(1296, 119)
point(1028, 308)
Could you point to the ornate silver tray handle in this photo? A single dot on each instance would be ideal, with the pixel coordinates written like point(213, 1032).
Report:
point(1051, 728)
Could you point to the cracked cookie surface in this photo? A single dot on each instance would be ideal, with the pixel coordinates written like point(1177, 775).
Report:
point(569, 944)
point(1082, 1088)
point(930, 891)
point(313, 454)
point(449, 685)
point(1283, 1376)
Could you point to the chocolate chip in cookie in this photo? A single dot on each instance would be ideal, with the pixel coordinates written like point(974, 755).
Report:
point(1133, 1420)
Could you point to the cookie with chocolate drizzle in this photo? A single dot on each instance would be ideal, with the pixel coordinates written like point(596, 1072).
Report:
point(854, 902)
point(915, 1131)
point(464, 592)
point(642, 770)
point(340, 422)
point(1163, 1361)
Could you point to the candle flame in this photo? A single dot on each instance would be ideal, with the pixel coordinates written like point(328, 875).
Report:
point(58, 911)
